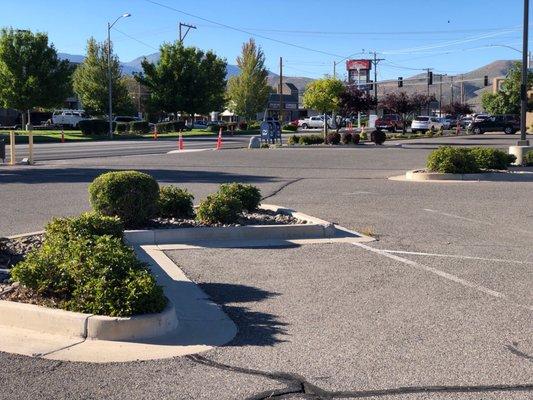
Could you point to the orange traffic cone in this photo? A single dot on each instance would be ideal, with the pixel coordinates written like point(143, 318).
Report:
point(155, 133)
point(181, 145)
point(62, 136)
point(219, 140)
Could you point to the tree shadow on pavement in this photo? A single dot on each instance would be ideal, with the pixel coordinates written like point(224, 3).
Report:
point(86, 175)
point(255, 328)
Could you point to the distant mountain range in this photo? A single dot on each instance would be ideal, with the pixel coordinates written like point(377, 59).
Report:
point(473, 80)
point(134, 66)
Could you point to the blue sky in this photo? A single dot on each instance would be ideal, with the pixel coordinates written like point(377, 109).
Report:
point(451, 36)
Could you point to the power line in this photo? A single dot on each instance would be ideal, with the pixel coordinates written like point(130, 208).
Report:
point(137, 40)
point(241, 30)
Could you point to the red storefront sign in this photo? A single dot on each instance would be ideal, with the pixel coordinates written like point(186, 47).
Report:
point(358, 64)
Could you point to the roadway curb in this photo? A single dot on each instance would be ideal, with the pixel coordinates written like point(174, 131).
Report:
point(504, 176)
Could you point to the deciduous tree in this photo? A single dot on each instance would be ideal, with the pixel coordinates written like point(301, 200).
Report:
point(457, 108)
point(324, 95)
point(353, 101)
point(91, 79)
point(184, 79)
point(31, 74)
point(248, 92)
point(404, 104)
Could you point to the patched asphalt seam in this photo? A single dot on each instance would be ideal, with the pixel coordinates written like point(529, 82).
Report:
point(275, 192)
point(298, 385)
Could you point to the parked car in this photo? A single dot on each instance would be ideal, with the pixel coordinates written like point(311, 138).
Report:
point(448, 122)
point(465, 122)
point(509, 124)
point(425, 123)
point(69, 118)
point(196, 125)
point(314, 122)
point(125, 118)
point(481, 117)
point(390, 122)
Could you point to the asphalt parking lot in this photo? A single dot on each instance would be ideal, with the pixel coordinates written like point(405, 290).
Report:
point(440, 305)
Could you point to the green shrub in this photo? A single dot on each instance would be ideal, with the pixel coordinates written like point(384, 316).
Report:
point(347, 138)
point(487, 158)
point(164, 127)
point(217, 208)
point(94, 127)
point(216, 128)
point(293, 139)
point(122, 127)
point(429, 134)
point(175, 202)
point(364, 135)
point(290, 128)
point(243, 126)
point(87, 225)
point(528, 158)
point(248, 195)
point(253, 126)
point(310, 139)
point(453, 160)
point(130, 195)
point(356, 138)
point(100, 277)
point(378, 137)
point(333, 138)
point(139, 127)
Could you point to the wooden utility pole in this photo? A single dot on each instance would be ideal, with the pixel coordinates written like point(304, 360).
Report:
point(189, 27)
point(462, 89)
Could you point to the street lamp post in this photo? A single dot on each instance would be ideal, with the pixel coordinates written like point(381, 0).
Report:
point(523, 87)
point(110, 88)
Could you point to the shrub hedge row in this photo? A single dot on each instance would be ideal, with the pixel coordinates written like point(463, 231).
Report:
point(460, 160)
point(101, 127)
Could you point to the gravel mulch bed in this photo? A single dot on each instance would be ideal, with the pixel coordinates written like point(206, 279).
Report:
point(260, 217)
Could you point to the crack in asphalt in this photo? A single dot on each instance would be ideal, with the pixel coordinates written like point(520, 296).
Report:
point(275, 192)
point(298, 385)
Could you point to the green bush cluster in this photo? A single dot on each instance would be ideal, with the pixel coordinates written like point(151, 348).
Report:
point(94, 127)
point(254, 126)
point(139, 127)
point(452, 160)
point(248, 195)
point(487, 158)
point(459, 160)
point(306, 139)
point(290, 128)
point(528, 158)
point(350, 138)
point(86, 225)
point(122, 127)
point(171, 126)
point(84, 266)
point(175, 202)
point(219, 208)
point(130, 195)
point(243, 126)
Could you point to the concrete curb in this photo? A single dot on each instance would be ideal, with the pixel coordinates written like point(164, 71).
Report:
point(421, 176)
point(86, 326)
point(316, 228)
point(144, 326)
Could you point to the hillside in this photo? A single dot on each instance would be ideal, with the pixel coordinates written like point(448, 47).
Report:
point(134, 66)
point(473, 83)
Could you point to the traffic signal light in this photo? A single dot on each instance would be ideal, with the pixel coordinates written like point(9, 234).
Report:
point(486, 80)
point(430, 78)
point(400, 81)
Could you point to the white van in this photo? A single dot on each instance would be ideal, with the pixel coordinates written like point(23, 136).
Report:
point(69, 118)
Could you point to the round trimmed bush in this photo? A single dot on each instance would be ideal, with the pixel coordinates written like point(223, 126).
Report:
point(293, 139)
point(218, 208)
point(347, 138)
point(248, 195)
point(175, 202)
point(290, 128)
point(378, 137)
point(356, 138)
point(333, 138)
point(130, 195)
point(452, 160)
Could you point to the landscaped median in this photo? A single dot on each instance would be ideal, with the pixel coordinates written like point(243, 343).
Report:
point(98, 287)
point(467, 164)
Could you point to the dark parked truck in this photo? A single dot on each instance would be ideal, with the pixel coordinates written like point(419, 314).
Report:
point(509, 124)
point(390, 122)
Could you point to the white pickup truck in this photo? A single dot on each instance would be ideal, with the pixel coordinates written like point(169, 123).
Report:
point(313, 122)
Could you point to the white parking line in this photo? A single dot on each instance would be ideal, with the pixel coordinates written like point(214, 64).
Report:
point(471, 220)
point(416, 253)
point(443, 274)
